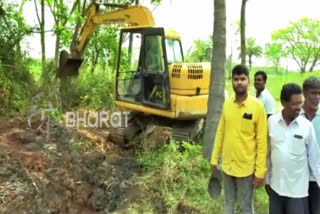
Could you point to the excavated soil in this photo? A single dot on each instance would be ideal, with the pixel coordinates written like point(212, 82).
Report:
point(73, 171)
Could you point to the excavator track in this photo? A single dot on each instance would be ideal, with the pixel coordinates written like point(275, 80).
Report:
point(125, 133)
point(187, 130)
point(127, 136)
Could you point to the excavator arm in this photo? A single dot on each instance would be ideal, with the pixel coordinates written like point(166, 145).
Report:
point(137, 15)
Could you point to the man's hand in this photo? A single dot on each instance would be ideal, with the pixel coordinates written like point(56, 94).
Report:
point(257, 182)
point(214, 168)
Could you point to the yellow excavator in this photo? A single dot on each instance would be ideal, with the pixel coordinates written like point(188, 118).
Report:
point(152, 80)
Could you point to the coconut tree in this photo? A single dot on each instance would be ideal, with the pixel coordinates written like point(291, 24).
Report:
point(217, 77)
point(253, 50)
point(243, 32)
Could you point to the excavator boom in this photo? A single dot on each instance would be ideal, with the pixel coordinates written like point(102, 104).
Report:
point(137, 15)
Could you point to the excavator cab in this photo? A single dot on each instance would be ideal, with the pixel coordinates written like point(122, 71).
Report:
point(142, 69)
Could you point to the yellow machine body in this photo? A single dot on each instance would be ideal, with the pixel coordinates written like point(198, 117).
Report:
point(189, 86)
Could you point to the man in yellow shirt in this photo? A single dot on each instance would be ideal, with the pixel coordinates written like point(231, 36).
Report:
point(241, 142)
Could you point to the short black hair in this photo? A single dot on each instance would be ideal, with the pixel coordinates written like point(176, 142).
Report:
point(240, 69)
point(311, 83)
point(288, 90)
point(263, 74)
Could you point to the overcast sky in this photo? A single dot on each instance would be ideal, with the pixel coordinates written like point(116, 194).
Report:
point(193, 19)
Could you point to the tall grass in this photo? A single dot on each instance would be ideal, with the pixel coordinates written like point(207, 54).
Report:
point(96, 89)
point(178, 177)
point(182, 178)
point(16, 87)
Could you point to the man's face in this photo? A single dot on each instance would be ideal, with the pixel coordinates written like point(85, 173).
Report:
point(293, 107)
point(259, 83)
point(240, 84)
point(312, 98)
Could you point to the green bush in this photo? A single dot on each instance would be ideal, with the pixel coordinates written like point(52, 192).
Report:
point(96, 89)
point(16, 87)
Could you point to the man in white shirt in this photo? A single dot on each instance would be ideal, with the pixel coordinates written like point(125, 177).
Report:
point(262, 93)
point(293, 154)
point(311, 111)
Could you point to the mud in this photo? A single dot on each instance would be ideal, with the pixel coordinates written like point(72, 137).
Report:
point(74, 171)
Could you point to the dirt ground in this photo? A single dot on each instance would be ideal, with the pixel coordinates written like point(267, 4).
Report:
point(74, 171)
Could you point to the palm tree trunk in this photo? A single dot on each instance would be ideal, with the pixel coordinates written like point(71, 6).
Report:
point(217, 77)
point(243, 32)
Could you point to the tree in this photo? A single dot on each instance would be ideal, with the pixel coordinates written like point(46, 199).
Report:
point(217, 77)
point(102, 48)
point(301, 41)
point(243, 32)
point(274, 53)
point(60, 13)
point(13, 30)
point(41, 22)
point(253, 50)
point(201, 51)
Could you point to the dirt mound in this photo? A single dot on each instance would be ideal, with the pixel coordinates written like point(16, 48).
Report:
point(74, 171)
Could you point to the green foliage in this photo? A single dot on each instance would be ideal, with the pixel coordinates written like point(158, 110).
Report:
point(156, 2)
point(35, 70)
point(50, 85)
point(274, 52)
point(65, 20)
point(102, 48)
point(16, 83)
point(5, 92)
point(201, 51)
point(95, 90)
point(60, 14)
point(59, 11)
point(13, 30)
point(301, 41)
point(253, 50)
point(16, 88)
point(179, 177)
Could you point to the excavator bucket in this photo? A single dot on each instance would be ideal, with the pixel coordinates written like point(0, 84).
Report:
point(68, 65)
